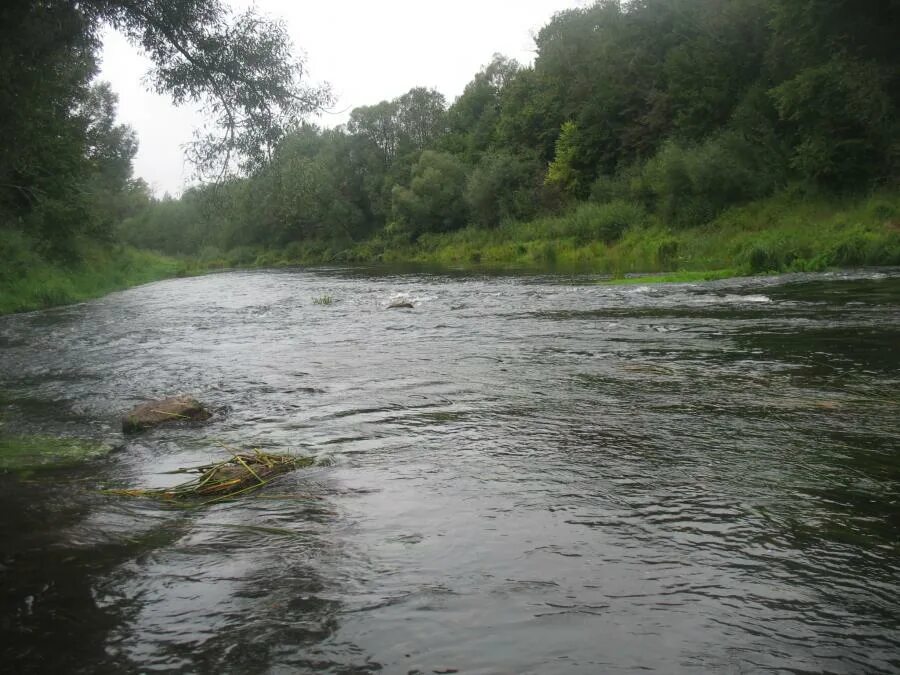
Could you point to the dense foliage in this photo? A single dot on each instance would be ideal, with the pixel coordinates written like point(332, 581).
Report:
point(65, 165)
point(662, 112)
point(677, 108)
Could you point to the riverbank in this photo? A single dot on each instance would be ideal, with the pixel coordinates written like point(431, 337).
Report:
point(29, 280)
point(779, 234)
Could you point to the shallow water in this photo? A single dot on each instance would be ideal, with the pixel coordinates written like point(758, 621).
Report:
point(530, 475)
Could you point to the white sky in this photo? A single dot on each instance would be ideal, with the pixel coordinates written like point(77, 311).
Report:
point(368, 51)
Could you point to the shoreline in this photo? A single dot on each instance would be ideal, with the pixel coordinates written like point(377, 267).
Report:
point(776, 235)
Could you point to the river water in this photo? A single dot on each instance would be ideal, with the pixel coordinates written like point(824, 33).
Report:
point(522, 474)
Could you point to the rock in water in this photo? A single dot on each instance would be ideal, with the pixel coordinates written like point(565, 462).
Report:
point(400, 304)
point(154, 413)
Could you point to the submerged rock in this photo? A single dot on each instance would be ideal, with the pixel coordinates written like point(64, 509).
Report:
point(400, 304)
point(154, 413)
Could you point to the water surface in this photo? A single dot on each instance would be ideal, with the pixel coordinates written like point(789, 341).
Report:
point(528, 475)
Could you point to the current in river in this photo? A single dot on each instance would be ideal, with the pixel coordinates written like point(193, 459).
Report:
point(520, 474)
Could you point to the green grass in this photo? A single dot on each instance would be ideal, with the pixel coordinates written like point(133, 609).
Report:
point(23, 453)
point(787, 232)
point(782, 233)
point(674, 277)
point(30, 281)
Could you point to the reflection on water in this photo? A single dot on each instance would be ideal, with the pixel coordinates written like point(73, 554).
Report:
point(531, 474)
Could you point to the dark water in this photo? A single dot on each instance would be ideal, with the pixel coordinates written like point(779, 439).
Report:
point(530, 475)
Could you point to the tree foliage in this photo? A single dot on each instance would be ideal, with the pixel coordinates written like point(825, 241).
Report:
point(679, 108)
point(433, 201)
point(64, 163)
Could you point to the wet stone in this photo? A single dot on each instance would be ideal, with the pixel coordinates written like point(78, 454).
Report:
point(154, 413)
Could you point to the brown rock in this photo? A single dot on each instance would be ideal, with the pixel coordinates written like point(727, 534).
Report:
point(154, 413)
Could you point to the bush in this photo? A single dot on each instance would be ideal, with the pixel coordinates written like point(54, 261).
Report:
point(762, 259)
point(242, 256)
point(500, 188)
point(603, 222)
point(433, 201)
point(882, 210)
point(210, 253)
point(667, 254)
point(691, 185)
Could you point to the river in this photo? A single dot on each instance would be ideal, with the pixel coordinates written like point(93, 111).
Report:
point(522, 474)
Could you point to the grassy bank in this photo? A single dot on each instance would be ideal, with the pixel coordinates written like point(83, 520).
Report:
point(782, 233)
point(29, 280)
point(777, 234)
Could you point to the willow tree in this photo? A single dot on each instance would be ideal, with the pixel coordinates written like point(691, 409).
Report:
point(238, 68)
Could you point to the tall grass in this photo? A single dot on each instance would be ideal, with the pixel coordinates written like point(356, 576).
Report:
point(30, 281)
point(781, 233)
point(786, 232)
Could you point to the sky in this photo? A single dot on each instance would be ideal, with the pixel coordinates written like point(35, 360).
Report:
point(367, 51)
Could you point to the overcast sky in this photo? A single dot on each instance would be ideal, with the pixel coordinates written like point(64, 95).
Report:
point(368, 51)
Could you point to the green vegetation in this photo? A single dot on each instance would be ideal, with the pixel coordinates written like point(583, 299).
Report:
point(30, 281)
point(785, 232)
point(782, 233)
point(665, 135)
point(323, 300)
point(661, 135)
point(66, 165)
point(24, 453)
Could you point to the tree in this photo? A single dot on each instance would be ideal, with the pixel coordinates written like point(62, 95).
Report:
point(378, 125)
point(109, 151)
point(46, 62)
point(421, 118)
point(239, 68)
point(838, 87)
point(474, 115)
point(502, 186)
point(434, 200)
point(562, 171)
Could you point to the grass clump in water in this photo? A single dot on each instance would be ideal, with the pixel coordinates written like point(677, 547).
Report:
point(323, 300)
point(240, 474)
point(22, 453)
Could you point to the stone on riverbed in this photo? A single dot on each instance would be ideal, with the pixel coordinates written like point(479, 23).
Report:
point(154, 413)
point(401, 304)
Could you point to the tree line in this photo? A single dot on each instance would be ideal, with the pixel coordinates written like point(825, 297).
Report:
point(679, 108)
point(66, 165)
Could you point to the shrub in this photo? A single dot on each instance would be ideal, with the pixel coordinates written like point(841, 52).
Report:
point(501, 187)
point(667, 254)
point(691, 185)
point(242, 256)
point(603, 222)
point(433, 201)
point(761, 259)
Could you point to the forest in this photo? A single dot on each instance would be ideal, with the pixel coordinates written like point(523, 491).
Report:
point(647, 135)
